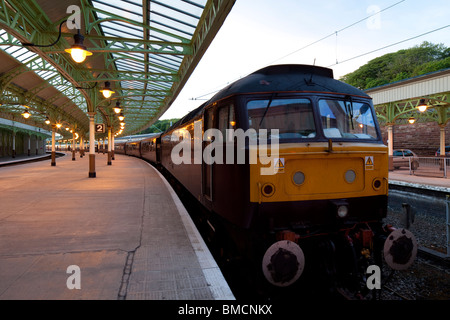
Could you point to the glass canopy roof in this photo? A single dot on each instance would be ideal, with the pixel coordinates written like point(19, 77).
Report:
point(171, 21)
point(146, 49)
point(47, 77)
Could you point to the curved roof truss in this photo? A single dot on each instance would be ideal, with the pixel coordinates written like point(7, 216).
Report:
point(146, 49)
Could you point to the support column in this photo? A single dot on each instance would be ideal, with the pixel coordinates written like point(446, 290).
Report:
point(92, 173)
point(390, 128)
point(442, 149)
point(112, 146)
point(109, 146)
point(442, 140)
point(74, 146)
point(37, 145)
point(29, 145)
point(81, 147)
point(13, 153)
point(53, 148)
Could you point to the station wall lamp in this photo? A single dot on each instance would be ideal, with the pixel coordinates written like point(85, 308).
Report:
point(117, 108)
point(77, 51)
point(106, 91)
point(26, 114)
point(423, 106)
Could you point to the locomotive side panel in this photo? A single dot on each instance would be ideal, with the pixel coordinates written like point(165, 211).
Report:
point(231, 194)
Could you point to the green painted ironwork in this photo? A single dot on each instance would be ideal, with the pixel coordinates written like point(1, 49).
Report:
point(399, 112)
point(147, 57)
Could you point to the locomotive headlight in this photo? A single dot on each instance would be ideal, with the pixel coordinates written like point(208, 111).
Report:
point(342, 211)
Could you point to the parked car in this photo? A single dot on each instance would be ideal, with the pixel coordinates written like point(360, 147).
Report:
point(401, 159)
point(447, 152)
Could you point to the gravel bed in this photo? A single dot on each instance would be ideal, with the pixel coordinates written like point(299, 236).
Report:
point(429, 226)
point(424, 280)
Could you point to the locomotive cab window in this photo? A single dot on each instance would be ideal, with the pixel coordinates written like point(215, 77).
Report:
point(347, 119)
point(292, 117)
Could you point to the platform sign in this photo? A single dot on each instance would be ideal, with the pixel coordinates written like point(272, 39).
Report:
point(100, 128)
point(369, 163)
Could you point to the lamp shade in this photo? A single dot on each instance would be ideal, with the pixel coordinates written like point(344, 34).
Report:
point(422, 106)
point(78, 50)
point(117, 108)
point(26, 114)
point(106, 91)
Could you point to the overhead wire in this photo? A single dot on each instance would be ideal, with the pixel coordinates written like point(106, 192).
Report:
point(335, 33)
point(390, 45)
point(340, 30)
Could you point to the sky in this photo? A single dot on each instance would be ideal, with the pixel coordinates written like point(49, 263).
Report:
point(258, 33)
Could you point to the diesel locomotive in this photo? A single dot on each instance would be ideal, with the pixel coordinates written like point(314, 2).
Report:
point(289, 165)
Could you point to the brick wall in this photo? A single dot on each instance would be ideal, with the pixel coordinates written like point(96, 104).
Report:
point(421, 138)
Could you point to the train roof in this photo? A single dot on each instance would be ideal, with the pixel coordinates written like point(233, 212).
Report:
point(188, 117)
point(289, 77)
point(276, 78)
point(136, 138)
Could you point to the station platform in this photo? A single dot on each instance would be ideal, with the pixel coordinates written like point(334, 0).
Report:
point(123, 235)
point(21, 159)
point(404, 178)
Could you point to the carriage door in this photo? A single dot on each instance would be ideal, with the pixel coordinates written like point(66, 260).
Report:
point(207, 168)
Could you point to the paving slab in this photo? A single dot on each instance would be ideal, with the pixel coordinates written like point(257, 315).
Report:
point(123, 229)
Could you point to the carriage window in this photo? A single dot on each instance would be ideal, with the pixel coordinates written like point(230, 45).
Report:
point(292, 117)
point(227, 121)
point(347, 119)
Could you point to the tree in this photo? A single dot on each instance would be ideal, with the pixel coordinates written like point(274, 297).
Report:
point(400, 65)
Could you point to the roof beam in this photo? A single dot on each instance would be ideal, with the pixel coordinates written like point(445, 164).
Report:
point(24, 20)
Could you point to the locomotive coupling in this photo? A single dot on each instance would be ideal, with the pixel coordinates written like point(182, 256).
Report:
point(283, 263)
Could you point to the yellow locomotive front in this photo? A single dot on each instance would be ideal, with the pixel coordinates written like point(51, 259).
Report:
point(321, 181)
point(328, 147)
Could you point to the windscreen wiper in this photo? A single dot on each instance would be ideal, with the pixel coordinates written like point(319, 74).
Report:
point(267, 109)
point(349, 110)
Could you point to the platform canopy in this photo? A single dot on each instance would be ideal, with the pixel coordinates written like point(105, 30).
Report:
point(144, 49)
